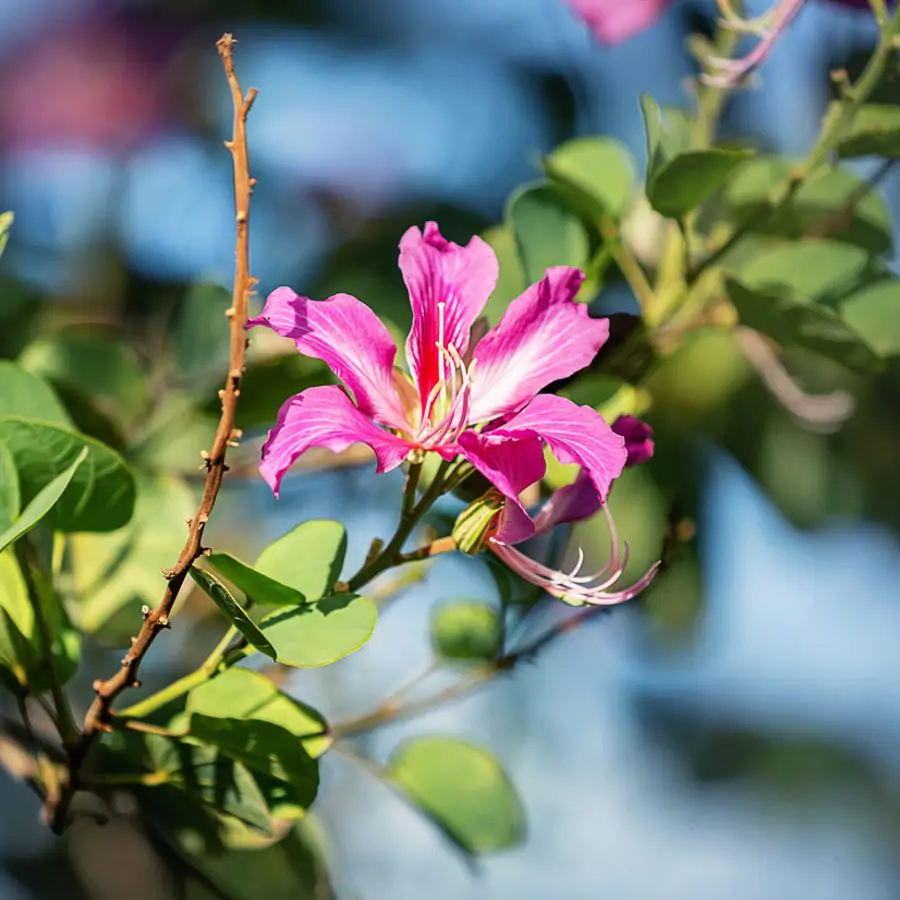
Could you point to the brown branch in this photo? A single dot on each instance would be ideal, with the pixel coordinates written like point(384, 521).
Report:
point(157, 620)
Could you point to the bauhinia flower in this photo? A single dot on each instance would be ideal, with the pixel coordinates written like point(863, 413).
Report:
point(571, 503)
point(468, 393)
point(613, 21)
point(638, 439)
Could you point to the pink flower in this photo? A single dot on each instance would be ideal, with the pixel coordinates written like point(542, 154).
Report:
point(572, 503)
point(614, 21)
point(458, 378)
point(638, 439)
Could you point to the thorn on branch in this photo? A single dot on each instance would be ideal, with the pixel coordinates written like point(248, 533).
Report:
point(168, 574)
point(145, 611)
point(163, 621)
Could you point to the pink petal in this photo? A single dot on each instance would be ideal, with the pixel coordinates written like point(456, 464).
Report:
point(543, 336)
point(324, 417)
point(438, 271)
point(570, 503)
point(574, 434)
point(638, 439)
point(344, 333)
point(613, 21)
point(511, 465)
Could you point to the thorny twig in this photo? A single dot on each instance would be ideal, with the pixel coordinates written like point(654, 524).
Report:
point(157, 620)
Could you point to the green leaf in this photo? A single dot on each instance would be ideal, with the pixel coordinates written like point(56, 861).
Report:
point(824, 197)
point(599, 171)
point(24, 394)
point(511, 282)
point(6, 220)
point(268, 383)
point(94, 366)
point(689, 179)
point(116, 573)
point(100, 496)
point(20, 643)
point(653, 132)
point(218, 593)
point(10, 501)
point(318, 634)
point(256, 586)
point(41, 503)
point(262, 747)
point(548, 233)
point(309, 558)
point(875, 132)
point(849, 304)
point(239, 693)
point(463, 790)
point(466, 630)
point(201, 334)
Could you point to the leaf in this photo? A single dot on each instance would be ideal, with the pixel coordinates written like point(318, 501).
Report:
point(97, 368)
point(41, 503)
point(547, 232)
point(849, 303)
point(6, 220)
point(599, 171)
point(466, 630)
point(463, 790)
point(823, 197)
point(218, 593)
point(116, 573)
point(875, 132)
point(262, 747)
point(200, 334)
point(511, 282)
point(10, 502)
point(239, 693)
point(690, 178)
point(318, 634)
point(24, 394)
point(309, 558)
point(256, 586)
point(268, 383)
point(100, 496)
point(653, 132)
point(21, 649)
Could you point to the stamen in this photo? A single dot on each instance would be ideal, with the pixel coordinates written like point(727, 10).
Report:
point(440, 340)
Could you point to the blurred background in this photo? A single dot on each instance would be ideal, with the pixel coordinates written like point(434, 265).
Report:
point(739, 735)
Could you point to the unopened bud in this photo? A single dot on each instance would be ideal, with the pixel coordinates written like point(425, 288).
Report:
point(476, 522)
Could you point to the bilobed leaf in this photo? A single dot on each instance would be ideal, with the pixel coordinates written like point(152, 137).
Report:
point(309, 558)
point(321, 633)
point(690, 178)
point(466, 630)
point(41, 503)
point(258, 587)
point(826, 196)
point(548, 233)
point(219, 594)
point(95, 367)
point(100, 496)
point(240, 693)
point(463, 790)
point(24, 394)
point(599, 171)
point(875, 132)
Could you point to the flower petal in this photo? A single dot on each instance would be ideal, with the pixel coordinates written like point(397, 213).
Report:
point(575, 434)
point(614, 21)
point(324, 417)
point(438, 271)
point(511, 465)
point(543, 336)
point(345, 334)
point(571, 503)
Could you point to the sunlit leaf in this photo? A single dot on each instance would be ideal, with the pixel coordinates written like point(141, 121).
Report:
point(463, 790)
point(24, 394)
point(258, 587)
point(10, 501)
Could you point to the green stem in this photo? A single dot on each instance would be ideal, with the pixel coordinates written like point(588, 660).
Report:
point(30, 564)
point(628, 263)
point(392, 553)
point(179, 688)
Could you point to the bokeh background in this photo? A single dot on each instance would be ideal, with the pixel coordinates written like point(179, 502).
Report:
point(737, 737)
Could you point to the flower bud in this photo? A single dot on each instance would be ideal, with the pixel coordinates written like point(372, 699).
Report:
point(477, 522)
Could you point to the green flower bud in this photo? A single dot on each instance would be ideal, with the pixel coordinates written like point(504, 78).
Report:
point(475, 523)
